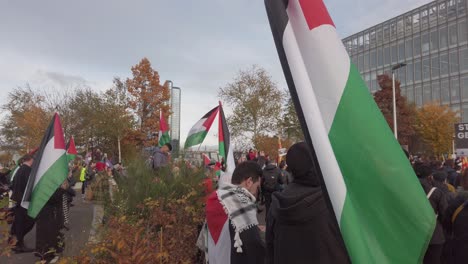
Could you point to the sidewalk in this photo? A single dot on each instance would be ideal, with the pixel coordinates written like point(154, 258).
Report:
point(81, 221)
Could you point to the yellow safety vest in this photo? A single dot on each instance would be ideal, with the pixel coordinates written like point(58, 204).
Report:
point(82, 174)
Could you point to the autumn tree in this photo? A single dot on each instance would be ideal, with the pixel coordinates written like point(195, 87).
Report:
point(147, 97)
point(270, 144)
point(255, 101)
point(25, 121)
point(289, 123)
point(434, 124)
point(405, 112)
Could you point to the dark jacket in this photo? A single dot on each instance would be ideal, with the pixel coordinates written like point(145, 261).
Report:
point(458, 230)
point(19, 183)
point(438, 202)
point(452, 175)
point(301, 229)
point(271, 173)
point(160, 159)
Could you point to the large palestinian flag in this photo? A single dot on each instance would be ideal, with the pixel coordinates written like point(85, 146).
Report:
point(164, 137)
point(225, 148)
point(198, 132)
point(71, 149)
point(380, 207)
point(49, 170)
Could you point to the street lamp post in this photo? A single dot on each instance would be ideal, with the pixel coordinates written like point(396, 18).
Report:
point(395, 127)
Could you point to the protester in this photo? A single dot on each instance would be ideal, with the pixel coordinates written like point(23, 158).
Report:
point(231, 234)
point(271, 182)
point(22, 223)
point(439, 204)
point(452, 174)
point(456, 224)
point(300, 227)
point(161, 156)
point(285, 175)
point(261, 159)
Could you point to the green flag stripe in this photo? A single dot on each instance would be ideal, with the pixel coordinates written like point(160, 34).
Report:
point(195, 139)
point(222, 150)
point(164, 139)
point(374, 167)
point(47, 185)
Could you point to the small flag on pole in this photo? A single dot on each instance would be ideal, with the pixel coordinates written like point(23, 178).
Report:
point(164, 137)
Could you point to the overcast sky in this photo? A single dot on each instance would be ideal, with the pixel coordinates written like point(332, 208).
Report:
point(199, 45)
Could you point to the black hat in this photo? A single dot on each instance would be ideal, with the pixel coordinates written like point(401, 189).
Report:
point(300, 164)
point(440, 176)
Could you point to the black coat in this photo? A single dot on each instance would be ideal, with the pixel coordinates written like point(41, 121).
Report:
point(458, 229)
point(19, 183)
point(438, 202)
point(301, 229)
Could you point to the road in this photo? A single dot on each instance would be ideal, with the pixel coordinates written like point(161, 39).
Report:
point(81, 218)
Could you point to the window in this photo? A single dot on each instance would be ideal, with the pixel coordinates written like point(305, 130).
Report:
point(445, 92)
point(434, 40)
point(417, 71)
point(361, 63)
point(386, 33)
point(373, 81)
point(394, 53)
point(373, 59)
point(409, 48)
point(379, 36)
point(402, 75)
point(453, 34)
point(435, 91)
point(400, 27)
point(354, 60)
point(462, 34)
point(464, 88)
point(408, 25)
point(443, 38)
point(442, 12)
point(451, 9)
point(433, 14)
point(417, 46)
point(461, 7)
point(453, 62)
point(455, 91)
point(372, 39)
point(435, 66)
point(444, 64)
point(387, 55)
point(410, 94)
point(424, 19)
point(426, 93)
point(409, 73)
point(464, 59)
point(425, 42)
point(401, 51)
point(465, 113)
point(393, 29)
point(366, 61)
point(366, 41)
point(416, 22)
point(361, 43)
point(380, 60)
point(418, 95)
point(426, 69)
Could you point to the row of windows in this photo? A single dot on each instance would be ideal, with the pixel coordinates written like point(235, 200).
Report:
point(424, 44)
point(408, 24)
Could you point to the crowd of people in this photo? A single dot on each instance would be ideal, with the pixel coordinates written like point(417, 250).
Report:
point(299, 225)
point(95, 173)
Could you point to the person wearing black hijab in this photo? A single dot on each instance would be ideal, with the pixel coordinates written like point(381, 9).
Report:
point(300, 227)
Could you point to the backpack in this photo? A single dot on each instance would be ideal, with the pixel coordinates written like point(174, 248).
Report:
point(270, 180)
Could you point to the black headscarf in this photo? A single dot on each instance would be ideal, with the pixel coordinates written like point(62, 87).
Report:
point(300, 164)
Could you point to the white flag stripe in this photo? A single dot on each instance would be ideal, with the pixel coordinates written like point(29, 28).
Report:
point(198, 127)
point(325, 59)
point(48, 160)
point(325, 155)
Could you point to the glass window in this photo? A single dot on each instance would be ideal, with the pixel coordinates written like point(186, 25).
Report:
point(426, 93)
point(409, 73)
point(408, 24)
point(410, 94)
point(443, 38)
point(426, 70)
point(464, 59)
point(402, 75)
point(380, 60)
point(366, 61)
point(361, 63)
point(416, 22)
point(387, 55)
point(425, 42)
point(401, 51)
point(424, 18)
point(464, 88)
point(453, 62)
point(417, 46)
point(372, 39)
point(418, 95)
point(433, 14)
point(442, 11)
point(445, 92)
point(393, 29)
point(434, 40)
point(465, 113)
point(379, 36)
point(462, 34)
point(366, 41)
point(401, 27)
point(386, 33)
point(373, 81)
point(453, 34)
point(361, 43)
point(455, 91)
point(451, 9)
point(409, 48)
point(417, 71)
point(435, 66)
point(354, 61)
point(394, 53)
point(444, 64)
point(435, 91)
point(461, 7)
point(373, 59)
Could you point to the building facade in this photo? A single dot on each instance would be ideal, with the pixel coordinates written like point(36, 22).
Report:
point(174, 119)
point(432, 41)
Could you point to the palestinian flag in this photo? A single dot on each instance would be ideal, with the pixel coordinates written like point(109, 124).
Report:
point(71, 150)
point(164, 137)
point(380, 206)
point(225, 148)
point(198, 132)
point(206, 159)
point(49, 170)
